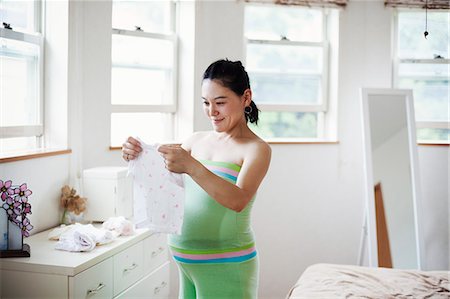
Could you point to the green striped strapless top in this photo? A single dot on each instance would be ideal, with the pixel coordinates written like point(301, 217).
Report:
point(212, 232)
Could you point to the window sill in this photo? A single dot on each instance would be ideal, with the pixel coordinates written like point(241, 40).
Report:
point(269, 141)
point(297, 141)
point(433, 143)
point(32, 154)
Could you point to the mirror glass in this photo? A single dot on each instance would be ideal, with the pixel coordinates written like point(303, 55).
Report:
point(391, 178)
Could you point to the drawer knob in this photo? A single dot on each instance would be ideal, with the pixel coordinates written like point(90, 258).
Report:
point(132, 267)
point(95, 291)
point(155, 253)
point(158, 289)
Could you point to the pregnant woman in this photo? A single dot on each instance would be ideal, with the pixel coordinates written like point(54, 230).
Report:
point(216, 252)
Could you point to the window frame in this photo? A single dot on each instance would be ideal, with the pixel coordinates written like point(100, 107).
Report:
point(396, 66)
point(154, 108)
point(36, 38)
point(320, 108)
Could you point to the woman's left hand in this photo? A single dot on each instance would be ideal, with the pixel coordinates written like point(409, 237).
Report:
point(176, 158)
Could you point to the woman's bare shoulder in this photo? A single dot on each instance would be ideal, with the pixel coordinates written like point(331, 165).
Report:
point(256, 142)
point(262, 147)
point(194, 138)
point(257, 149)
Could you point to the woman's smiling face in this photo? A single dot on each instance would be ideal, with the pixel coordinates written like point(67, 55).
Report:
point(222, 106)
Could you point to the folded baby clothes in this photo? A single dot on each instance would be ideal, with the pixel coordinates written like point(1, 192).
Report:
point(158, 194)
point(83, 237)
point(77, 241)
point(119, 225)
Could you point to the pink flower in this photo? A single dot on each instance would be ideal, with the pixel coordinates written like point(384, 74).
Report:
point(9, 204)
point(5, 189)
point(26, 208)
point(26, 227)
point(17, 208)
point(23, 192)
point(12, 207)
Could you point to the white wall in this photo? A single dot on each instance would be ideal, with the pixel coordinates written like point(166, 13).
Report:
point(96, 85)
point(309, 209)
point(434, 169)
point(44, 177)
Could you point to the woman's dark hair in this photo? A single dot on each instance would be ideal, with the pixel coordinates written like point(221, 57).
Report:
point(232, 75)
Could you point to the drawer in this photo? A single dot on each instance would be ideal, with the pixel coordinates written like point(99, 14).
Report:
point(128, 267)
point(156, 252)
point(153, 286)
point(95, 282)
point(19, 284)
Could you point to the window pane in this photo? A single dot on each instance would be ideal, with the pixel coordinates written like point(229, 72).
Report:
point(19, 88)
point(19, 14)
point(296, 24)
point(142, 70)
point(424, 70)
point(140, 86)
point(284, 59)
point(285, 74)
point(151, 16)
point(431, 98)
point(150, 127)
point(140, 51)
point(411, 41)
point(433, 134)
point(286, 124)
point(18, 144)
point(286, 89)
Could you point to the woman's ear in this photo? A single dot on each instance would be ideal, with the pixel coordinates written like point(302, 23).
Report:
point(247, 97)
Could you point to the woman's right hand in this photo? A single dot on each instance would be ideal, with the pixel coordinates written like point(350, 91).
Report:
point(131, 148)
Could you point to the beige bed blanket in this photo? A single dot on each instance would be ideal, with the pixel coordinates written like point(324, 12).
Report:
point(345, 281)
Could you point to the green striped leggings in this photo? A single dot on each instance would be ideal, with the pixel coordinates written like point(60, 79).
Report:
point(236, 280)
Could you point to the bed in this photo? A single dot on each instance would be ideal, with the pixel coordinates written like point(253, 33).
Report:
point(345, 281)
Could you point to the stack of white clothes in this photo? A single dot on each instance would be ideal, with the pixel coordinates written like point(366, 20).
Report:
point(80, 237)
point(119, 226)
point(158, 194)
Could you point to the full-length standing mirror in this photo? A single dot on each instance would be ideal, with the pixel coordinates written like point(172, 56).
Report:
point(393, 219)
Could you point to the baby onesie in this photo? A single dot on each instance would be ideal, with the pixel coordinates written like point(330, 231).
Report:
point(158, 194)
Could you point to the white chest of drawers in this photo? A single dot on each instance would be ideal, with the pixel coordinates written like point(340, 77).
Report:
point(129, 267)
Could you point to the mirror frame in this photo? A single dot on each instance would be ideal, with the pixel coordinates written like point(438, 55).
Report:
point(370, 225)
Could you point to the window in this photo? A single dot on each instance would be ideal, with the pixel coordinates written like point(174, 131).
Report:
point(423, 66)
point(288, 63)
point(21, 79)
point(143, 74)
